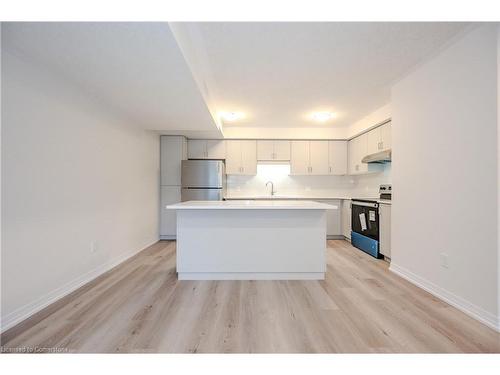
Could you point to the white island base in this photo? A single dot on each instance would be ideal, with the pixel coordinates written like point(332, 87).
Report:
point(251, 240)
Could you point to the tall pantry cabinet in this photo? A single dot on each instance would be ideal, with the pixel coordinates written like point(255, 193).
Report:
point(173, 149)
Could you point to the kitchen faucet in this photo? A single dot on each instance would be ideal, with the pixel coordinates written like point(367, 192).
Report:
point(272, 187)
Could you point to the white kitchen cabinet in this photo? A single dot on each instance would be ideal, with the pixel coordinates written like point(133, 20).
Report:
point(385, 229)
point(273, 150)
point(248, 157)
point(241, 157)
point(299, 158)
point(216, 149)
point(337, 157)
point(318, 157)
point(357, 150)
point(265, 150)
point(379, 139)
point(233, 157)
point(197, 149)
point(168, 223)
point(309, 158)
point(346, 218)
point(373, 141)
point(333, 219)
point(282, 150)
point(386, 136)
point(173, 149)
point(206, 149)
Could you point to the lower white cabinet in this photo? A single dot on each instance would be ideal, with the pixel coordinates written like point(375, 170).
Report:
point(333, 218)
point(346, 218)
point(168, 223)
point(385, 229)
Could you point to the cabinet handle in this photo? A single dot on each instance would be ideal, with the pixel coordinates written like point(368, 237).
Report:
point(381, 145)
point(330, 169)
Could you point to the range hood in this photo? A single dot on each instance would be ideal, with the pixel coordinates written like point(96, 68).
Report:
point(378, 157)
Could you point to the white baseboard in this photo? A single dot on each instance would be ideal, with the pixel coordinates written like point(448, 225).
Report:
point(168, 237)
point(461, 304)
point(24, 312)
point(251, 275)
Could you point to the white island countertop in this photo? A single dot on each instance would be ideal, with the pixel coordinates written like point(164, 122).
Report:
point(252, 205)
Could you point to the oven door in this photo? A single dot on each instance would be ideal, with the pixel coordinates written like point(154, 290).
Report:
point(364, 219)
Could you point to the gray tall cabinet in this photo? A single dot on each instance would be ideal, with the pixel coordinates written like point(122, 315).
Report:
point(173, 149)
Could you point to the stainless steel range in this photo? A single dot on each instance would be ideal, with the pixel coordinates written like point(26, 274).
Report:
point(365, 221)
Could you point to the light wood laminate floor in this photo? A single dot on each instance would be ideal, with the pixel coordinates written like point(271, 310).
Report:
point(361, 307)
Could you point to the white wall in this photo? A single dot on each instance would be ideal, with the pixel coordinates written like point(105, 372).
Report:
point(498, 172)
point(376, 117)
point(445, 175)
point(72, 173)
point(312, 132)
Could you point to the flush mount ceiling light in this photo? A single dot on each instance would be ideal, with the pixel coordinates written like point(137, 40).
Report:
point(323, 116)
point(231, 116)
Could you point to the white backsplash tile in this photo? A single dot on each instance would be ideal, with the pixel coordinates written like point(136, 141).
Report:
point(308, 186)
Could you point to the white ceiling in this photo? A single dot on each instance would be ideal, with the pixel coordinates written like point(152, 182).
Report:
point(135, 68)
point(175, 79)
point(278, 73)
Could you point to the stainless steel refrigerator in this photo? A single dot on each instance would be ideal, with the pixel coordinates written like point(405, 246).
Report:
point(203, 180)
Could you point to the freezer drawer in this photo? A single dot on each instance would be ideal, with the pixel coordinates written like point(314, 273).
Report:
point(202, 173)
point(201, 194)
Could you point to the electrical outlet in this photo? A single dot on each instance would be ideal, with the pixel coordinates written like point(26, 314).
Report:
point(444, 260)
point(93, 246)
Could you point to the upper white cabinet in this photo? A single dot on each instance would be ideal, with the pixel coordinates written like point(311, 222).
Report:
point(197, 149)
point(273, 150)
point(337, 157)
point(318, 162)
point(299, 158)
point(373, 141)
point(241, 157)
point(386, 136)
point(173, 149)
point(379, 139)
point(206, 149)
point(309, 158)
point(357, 150)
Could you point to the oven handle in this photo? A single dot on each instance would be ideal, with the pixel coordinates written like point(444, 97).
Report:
point(365, 204)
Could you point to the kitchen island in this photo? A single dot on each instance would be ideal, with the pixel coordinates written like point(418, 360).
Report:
point(251, 240)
